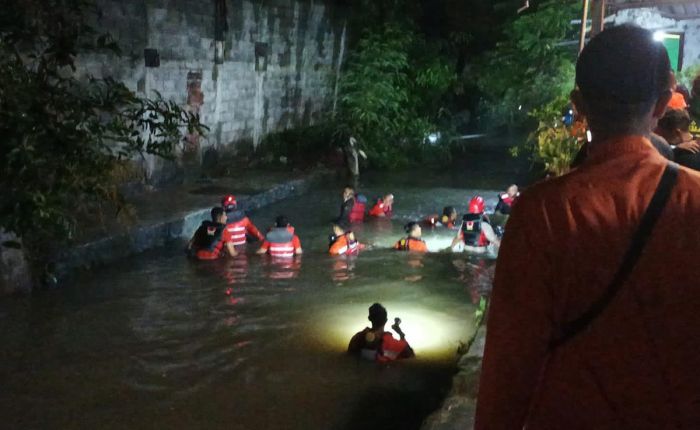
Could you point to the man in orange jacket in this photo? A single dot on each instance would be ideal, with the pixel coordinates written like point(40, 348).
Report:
point(238, 225)
point(593, 321)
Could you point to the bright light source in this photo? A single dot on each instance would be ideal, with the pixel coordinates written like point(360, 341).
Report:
point(589, 136)
point(431, 333)
point(520, 107)
point(659, 36)
point(433, 137)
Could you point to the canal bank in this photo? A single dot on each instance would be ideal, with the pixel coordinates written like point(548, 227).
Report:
point(174, 212)
point(458, 410)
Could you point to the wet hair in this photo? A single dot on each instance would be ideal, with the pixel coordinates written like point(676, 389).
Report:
point(377, 314)
point(621, 74)
point(448, 211)
point(409, 227)
point(216, 213)
point(674, 119)
point(281, 221)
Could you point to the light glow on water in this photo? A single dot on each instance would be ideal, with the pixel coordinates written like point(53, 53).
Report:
point(431, 333)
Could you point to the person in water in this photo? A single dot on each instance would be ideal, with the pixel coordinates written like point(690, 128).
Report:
point(506, 200)
point(447, 219)
point(413, 241)
point(237, 224)
point(378, 345)
point(280, 241)
point(212, 240)
point(383, 207)
point(476, 233)
point(352, 210)
point(343, 242)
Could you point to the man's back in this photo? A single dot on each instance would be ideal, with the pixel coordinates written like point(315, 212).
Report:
point(638, 365)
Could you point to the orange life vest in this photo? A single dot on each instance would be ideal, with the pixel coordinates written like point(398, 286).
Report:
point(411, 244)
point(281, 242)
point(343, 246)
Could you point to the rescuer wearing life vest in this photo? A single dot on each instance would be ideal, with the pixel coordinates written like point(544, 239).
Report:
point(447, 219)
point(239, 226)
point(506, 200)
point(280, 241)
point(383, 207)
point(343, 242)
point(378, 345)
point(413, 241)
point(352, 210)
point(476, 233)
point(212, 240)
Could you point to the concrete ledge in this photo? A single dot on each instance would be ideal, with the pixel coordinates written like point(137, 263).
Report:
point(457, 412)
point(156, 234)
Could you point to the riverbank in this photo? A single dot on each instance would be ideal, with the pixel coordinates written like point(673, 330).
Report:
point(459, 408)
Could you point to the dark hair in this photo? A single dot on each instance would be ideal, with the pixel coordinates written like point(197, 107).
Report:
point(216, 212)
point(674, 119)
point(377, 314)
point(695, 90)
point(408, 227)
point(621, 74)
point(281, 221)
point(448, 210)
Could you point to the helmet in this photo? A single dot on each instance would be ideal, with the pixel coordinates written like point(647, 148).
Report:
point(476, 205)
point(228, 201)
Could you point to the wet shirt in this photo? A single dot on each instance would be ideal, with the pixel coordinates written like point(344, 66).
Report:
point(638, 365)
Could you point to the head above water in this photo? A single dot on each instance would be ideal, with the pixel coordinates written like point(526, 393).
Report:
point(450, 212)
point(348, 192)
point(281, 221)
point(623, 79)
point(338, 230)
point(388, 199)
point(413, 229)
point(512, 191)
point(228, 202)
point(218, 215)
point(377, 315)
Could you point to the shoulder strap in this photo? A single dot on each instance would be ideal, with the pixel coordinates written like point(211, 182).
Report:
point(639, 241)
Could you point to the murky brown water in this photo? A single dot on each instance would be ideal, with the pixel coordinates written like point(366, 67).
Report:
point(160, 342)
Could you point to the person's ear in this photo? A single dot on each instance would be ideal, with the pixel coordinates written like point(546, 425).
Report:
point(578, 102)
point(662, 103)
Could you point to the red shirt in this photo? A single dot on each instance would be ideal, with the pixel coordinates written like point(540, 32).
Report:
point(638, 365)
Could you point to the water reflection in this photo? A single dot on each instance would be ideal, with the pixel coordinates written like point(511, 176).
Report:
point(342, 268)
point(278, 268)
point(476, 274)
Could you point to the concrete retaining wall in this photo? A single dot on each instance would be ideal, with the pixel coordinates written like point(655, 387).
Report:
point(249, 68)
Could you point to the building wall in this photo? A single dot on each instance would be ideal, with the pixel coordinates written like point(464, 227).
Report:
point(276, 64)
point(651, 19)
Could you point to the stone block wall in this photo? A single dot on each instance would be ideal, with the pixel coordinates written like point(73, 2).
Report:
point(248, 67)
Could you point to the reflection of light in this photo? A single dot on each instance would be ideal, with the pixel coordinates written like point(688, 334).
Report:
point(430, 333)
point(659, 36)
point(433, 137)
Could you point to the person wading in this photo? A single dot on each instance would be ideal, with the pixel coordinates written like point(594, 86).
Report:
point(594, 315)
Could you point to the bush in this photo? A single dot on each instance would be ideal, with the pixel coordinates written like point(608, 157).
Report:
point(531, 67)
point(390, 95)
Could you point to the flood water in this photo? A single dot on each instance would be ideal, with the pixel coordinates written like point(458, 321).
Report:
point(157, 341)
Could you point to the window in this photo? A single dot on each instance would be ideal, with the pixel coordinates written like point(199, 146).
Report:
point(674, 45)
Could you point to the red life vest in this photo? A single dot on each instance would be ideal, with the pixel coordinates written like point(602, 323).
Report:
point(357, 213)
point(236, 226)
point(472, 233)
point(380, 208)
point(281, 242)
point(385, 350)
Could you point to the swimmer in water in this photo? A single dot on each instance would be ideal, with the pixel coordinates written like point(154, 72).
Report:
point(413, 241)
point(447, 219)
point(378, 345)
point(476, 234)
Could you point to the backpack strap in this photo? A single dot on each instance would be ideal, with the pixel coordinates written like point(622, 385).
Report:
point(658, 202)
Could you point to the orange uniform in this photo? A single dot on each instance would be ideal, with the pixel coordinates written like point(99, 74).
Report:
point(344, 246)
point(638, 365)
point(411, 244)
point(241, 228)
